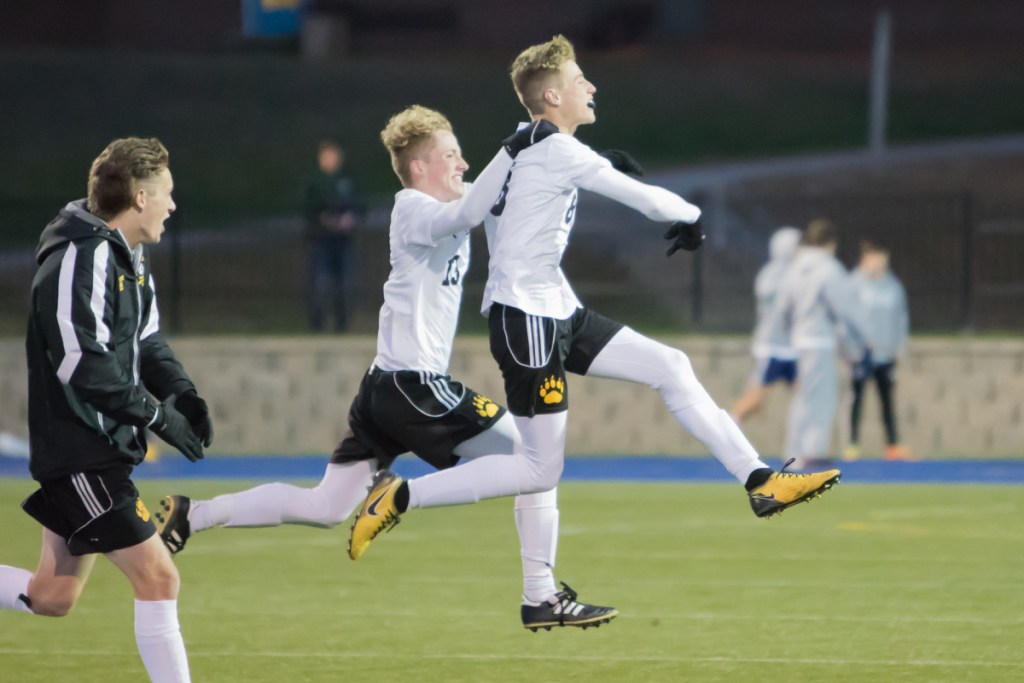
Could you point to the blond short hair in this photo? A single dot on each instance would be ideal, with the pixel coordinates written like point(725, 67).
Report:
point(407, 133)
point(116, 172)
point(532, 70)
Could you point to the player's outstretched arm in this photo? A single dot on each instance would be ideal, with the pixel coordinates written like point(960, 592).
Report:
point(469, 210)
point(657, 203)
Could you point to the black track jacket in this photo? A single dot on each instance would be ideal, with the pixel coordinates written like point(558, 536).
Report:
point(94, 349)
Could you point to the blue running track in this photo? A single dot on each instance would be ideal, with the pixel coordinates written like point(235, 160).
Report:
point(636, 468)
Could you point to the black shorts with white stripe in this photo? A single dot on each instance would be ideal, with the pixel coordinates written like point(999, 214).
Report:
point(413, 411)
point(94, 512)
point(535, 353)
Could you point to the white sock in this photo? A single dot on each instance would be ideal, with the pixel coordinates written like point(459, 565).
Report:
point(158, 637)
point(537, 524)
point(329, 503)
point(715, 429)
point(633, 357)
point(14, 585)
point(536, 465)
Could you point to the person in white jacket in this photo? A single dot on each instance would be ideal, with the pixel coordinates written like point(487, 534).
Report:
point(772, 363)
point(815, 311)
point(883, 303)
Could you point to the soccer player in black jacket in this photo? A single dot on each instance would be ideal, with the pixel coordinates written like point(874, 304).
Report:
point(98, 370)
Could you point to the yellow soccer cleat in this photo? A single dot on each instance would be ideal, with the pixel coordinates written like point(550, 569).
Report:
point(785, 489)
point(377, 513)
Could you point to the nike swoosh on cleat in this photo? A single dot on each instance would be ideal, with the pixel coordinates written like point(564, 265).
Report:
point(372, 509)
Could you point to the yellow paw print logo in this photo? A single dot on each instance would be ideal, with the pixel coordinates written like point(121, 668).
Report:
point(553, 390)
point(485, 407)
point(140, 510)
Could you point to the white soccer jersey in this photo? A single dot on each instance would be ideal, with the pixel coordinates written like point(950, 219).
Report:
point(429, 256)
point(527, 240)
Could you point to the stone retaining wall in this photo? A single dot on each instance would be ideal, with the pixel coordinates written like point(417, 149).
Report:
point(956, 397)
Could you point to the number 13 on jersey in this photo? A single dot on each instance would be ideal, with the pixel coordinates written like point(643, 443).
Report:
point(452, 274)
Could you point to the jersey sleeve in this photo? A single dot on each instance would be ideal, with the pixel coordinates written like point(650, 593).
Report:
point(902, 320)
point(657, 203)
point(572, 164)
point(470, 210)
point(840, 298)
point(430, 221)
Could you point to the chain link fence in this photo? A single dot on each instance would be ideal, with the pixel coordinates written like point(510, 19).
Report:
point(960, 261)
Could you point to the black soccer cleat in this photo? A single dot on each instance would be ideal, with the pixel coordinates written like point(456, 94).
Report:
point(562, 609)
point(172, 522)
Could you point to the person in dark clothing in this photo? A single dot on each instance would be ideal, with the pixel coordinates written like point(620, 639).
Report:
point(100, 373)
point(333, 209)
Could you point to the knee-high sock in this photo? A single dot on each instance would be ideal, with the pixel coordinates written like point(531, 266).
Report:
point(632, 356)
point(13, 585)
point(327, 504)
point(534, 466)
point(158, 637)
point(537, 524)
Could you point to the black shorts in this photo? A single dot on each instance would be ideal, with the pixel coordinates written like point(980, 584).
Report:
point(534, 353)
point(408, 410)
point(94, 512)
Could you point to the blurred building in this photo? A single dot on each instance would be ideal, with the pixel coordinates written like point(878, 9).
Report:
point(367, 26)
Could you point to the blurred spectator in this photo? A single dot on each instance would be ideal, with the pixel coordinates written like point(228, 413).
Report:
point(333, 209)
point(771, 363)
point(814, 309)
point(883, 305)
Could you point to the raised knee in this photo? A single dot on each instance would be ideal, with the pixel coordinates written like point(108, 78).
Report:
point(53, 606)
point(546, 478)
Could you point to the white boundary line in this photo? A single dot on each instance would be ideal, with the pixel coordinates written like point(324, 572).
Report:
point(193, 653)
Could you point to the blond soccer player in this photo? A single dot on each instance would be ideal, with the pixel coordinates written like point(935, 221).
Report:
point(407, 400)
point(540, 331)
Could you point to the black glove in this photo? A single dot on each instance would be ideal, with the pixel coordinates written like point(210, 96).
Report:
point(172, 427)
point(529, 134)
point(688, 236)
point(197, 413)
point(623, 162)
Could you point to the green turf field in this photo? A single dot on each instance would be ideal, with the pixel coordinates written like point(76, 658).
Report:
point(872, 583)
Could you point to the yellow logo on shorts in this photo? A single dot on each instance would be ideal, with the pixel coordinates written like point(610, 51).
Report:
point(485, 407)
point(553, 390)
point(140, 510)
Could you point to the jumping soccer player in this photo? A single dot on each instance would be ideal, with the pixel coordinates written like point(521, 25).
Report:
point(539, 330)
point(407, 401)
